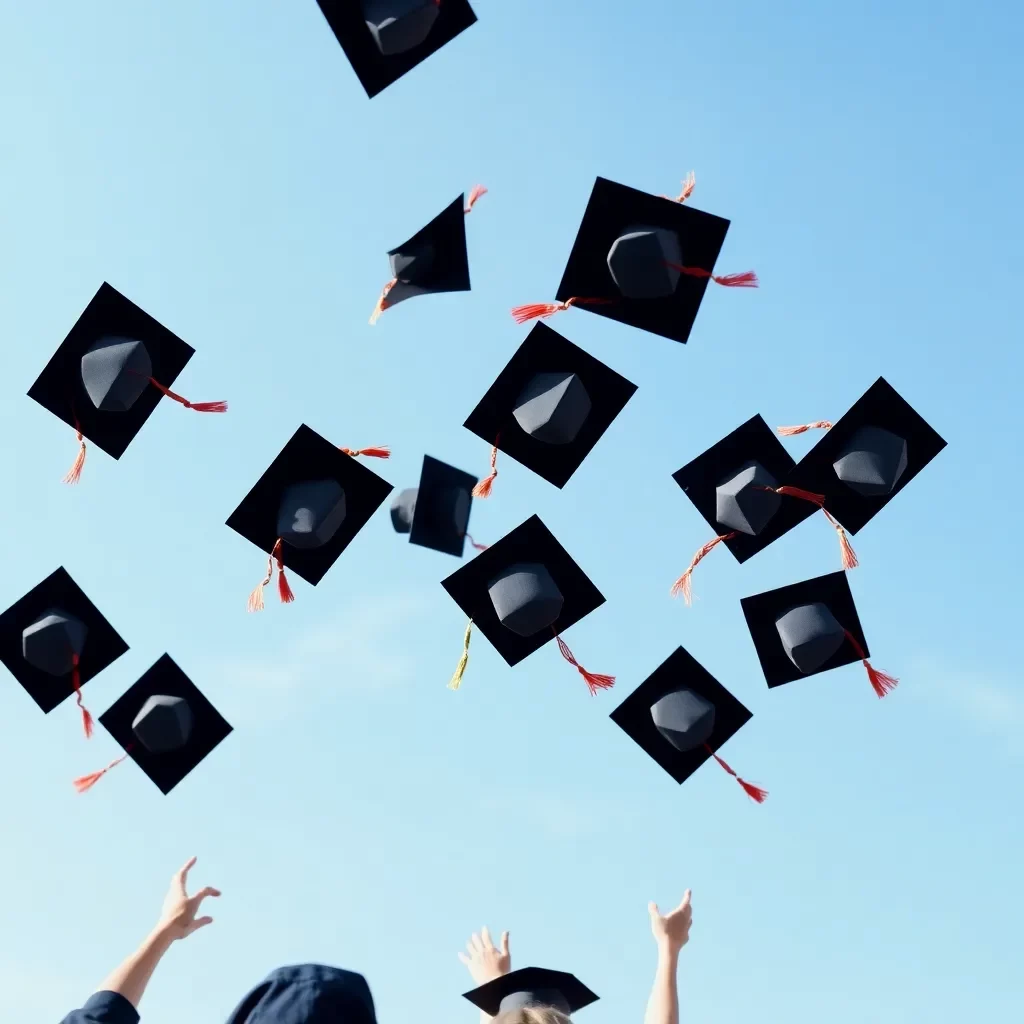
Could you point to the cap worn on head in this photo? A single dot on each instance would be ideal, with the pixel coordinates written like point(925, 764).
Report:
point(115, 373)
point(307, 994)
point(526, 599)
point(164, 724)
point(441, 507)
point(532, 986)
point(311, 513)
point(385, 39)
point(550, 406)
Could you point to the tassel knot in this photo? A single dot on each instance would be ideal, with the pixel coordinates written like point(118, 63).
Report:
point(284, 590)
point(74, 474)
point(484, 487)
point(543, 310)
point(379, 452)
point(478, 191)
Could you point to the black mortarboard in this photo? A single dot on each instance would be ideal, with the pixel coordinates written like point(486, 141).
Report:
point(434, 260)
point(307, 507)
point(868, 456)
point(54, 640)
point(641, 259)
point(385, 39)
point(110, 373)
point(681, 716)
point(807, 628)
point(522, 592)
point(532, 986)
point(164, 724)
point(307, 994)
point(549, 407)
point(436, 514)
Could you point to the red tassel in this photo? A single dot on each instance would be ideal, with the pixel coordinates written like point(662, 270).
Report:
point(74, 474)
point(478, 190)
point(86, 782)
point(542, 310)
point(194, 406)
point(380, 452)
point(803, 428)
point(848, 555)
point(382, 301)
point(687, 189)
point(881, 682)
point(682, 585)
point(76, 684)
point(594, 682)
point(748, 279)
point(483, 488)
point(479, 547)
point(755, 793)
point(284, 590)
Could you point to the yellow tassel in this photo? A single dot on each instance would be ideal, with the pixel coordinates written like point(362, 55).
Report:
point(460, 669)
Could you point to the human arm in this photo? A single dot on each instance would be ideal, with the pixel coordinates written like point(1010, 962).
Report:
point(486, 962)
point(671, 933)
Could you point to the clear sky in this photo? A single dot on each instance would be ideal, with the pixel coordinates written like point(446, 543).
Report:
point(219, 163)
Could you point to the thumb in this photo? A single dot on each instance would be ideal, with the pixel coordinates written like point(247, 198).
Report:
point(652, 909)
point(686, 900)
point(201, 922)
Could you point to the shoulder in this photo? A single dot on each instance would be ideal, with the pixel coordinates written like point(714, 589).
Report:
point(104, 1008)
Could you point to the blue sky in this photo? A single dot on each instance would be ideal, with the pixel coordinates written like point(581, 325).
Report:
point(220, 165)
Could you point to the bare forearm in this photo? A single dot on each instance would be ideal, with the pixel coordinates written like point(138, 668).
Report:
point(663, 1006)
point(131, 977)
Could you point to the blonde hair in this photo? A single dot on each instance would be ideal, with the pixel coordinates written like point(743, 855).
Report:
point(533, 1015)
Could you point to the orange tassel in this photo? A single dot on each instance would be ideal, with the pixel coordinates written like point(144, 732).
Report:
point(86, 782)
point(76, 684)
point(594, 681)
point(478, 191)
point(881, 682)
point(682, 585)
point(848, 555)
point(803, 428)
point(483, 488)
point(748, 279)
point(687, 190)
point(542, 310)
point(479, 547)
point(284, 590)
point(755, 793)
point(380, 452)
point(194, 406)
point(381, 302)
point(75, 472)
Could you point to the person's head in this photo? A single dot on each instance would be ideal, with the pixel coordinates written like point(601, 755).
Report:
point(533, 1015)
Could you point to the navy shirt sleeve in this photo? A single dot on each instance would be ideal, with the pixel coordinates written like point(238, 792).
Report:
point(104, 1008)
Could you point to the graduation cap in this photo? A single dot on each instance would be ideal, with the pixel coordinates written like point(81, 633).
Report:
point(681, 715)
point(54, 640)
point(867, 457)
point(436, 514)
point(548, 408)
point(532, 986)
point(434, 260)
point(307, 994)
point(164, 724)
point(385, 39)
point(307, 507)
point(643, 260)
point(522, 592)
point(109, 374)
point(740, 485)
point(807, 628)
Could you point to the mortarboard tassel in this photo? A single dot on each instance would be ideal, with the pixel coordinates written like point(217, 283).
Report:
point(483, 487)
point(748, 279)
point(687, 190)
point(381, 302)
point(542, 310)
point(194, 406)
point(380, 452)
point(755, 793)
point(881, 682)
point(682, 585)
point(479, 547)
point(460, 669)
point(284, 590)
point(849, 556)
point(76, 684)
point(478, 191)
point(803, 428)
point(86, 782)
point(74, 474)
point(594, 681)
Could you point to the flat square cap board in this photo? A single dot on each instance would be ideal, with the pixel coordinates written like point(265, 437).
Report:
point(622, 218)
point(333, 497)
point(165, 724)
point(532, 986)
point(550, 405)
point(385, 39)
point(80, 385)
point(711, 714)
point(868, 456)
point(528, 579)
point(40, 632)
point(441, 507)
point(724, 485)
point(307, 994)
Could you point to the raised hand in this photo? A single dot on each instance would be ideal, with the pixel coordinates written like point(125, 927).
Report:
point(672, 930)
point(178, 917)
point(484, 961)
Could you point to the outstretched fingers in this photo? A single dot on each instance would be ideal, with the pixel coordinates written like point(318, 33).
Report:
point(504, 943)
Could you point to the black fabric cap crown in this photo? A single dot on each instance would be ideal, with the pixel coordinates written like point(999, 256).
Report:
point(53, 641)
point(743, 503)
point(640, 262)
point(403, 510)
point(526, 599)
point(685, 719)
point(164, 724)
point(115, 373)
point(873, 462)
point(311, 513)
point(398, 26)
point(553, 407)
point(810, 634)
